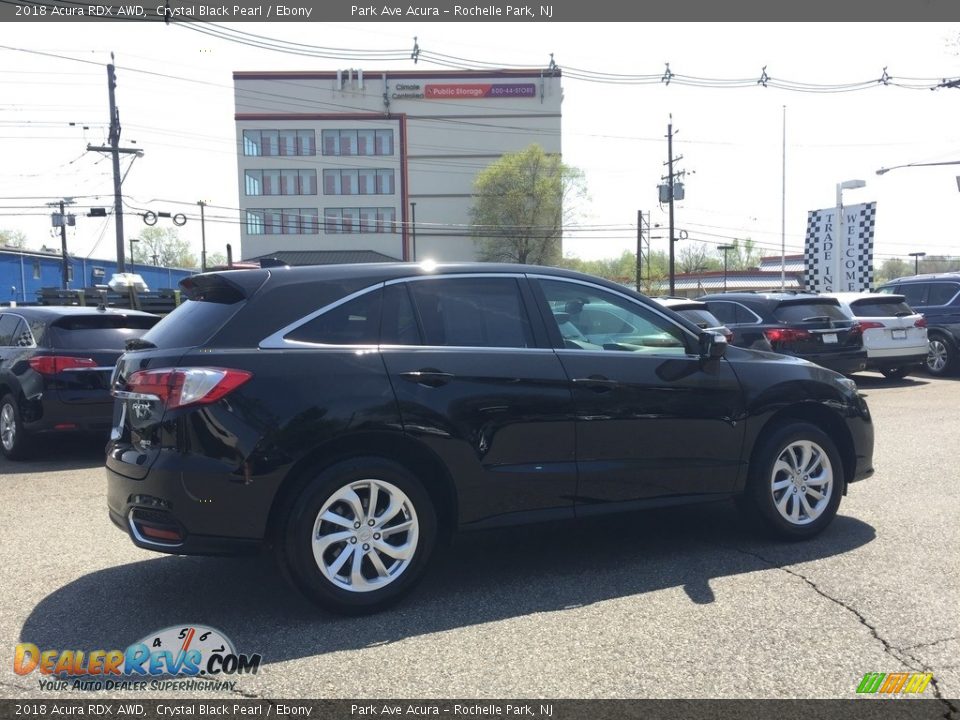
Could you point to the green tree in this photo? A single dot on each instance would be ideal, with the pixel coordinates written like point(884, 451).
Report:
point(891, 268)
point(694, 258)
point(13, 238)
point(744, 256)
point(521, 204)
point(163, 246)
point(215, 259)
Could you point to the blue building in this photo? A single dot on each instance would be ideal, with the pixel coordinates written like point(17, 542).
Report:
point(24, 272)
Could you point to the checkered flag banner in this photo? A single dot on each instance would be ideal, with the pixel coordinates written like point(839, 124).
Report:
point(840, 264)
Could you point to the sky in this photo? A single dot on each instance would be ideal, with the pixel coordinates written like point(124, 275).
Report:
point(175, 96)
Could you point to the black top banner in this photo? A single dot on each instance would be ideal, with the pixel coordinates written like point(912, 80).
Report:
point(170, 11)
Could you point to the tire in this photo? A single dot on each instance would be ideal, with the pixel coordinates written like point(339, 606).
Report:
point(14, 441)
point(779, 499)
point(896, 373)
point(320, 554)
point(942, 356)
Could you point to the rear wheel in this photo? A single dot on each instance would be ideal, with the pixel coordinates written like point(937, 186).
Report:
point(795, 482)
point(359, 536)
point(896, 373)
point(941, 356)
point(14, 443)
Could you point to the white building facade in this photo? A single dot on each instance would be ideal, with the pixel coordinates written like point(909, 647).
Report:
point(380, 161)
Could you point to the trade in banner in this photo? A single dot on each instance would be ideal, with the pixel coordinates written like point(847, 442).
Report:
point(840, 264)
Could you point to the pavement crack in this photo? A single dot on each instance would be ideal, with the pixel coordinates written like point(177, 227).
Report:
point(931, 643)
point(952, 710)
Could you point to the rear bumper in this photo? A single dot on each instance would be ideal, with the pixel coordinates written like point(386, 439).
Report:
point(891, 359)
point(57, 416)
point(196, 513)
point(845, 363)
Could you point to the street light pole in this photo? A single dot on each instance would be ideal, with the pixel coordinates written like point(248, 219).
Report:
point(841, 239)
point(885, 170)
point(916, 261)
point(413, 231)
point(726, 249)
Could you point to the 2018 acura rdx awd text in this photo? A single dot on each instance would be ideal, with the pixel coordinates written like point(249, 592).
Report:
point(353, 416)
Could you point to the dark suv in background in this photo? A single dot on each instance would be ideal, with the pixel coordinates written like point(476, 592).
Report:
point(938, 298)
point(55, 366)
point(352, 415)
point(805, 325)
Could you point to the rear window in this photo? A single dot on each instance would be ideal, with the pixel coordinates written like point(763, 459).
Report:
point(191, 324)
point(880, 307)
point(799, 312)
point(97, 332)
point(700, 318)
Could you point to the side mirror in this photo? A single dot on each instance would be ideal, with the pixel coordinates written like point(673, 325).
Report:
point(712, 346)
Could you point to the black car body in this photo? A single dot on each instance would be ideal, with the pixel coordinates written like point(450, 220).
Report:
point(804, 325)
point(937, 296)
point(55, 366)
point(301, 407)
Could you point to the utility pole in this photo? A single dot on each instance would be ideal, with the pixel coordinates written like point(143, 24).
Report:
point(670, 191)
point(203, 237)
point(115, 151)
point(62, 220)
point(413, 230)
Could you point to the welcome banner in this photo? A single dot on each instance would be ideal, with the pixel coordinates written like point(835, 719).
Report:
point(835, 263)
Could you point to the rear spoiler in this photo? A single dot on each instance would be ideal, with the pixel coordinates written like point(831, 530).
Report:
point(224, 287)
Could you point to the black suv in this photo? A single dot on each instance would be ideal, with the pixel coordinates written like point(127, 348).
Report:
point(805, 325)
point(938, 298)
point(55, 365)
point(353, 415)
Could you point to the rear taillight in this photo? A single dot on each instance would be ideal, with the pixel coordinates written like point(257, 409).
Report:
point(729, 336)
point(179, 387)
point(786, 335)
point(869, 325)
point(53, 364)
point(921, 323)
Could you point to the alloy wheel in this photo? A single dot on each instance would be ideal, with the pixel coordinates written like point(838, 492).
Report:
point(937, 355)
point(365, 535)
point(801, 482)
point(8, 427)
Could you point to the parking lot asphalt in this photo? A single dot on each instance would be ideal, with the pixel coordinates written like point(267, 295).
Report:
point(679, 603)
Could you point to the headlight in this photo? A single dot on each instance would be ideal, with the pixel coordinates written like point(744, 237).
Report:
point(847, 384)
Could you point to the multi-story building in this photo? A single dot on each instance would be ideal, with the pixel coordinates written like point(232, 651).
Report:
point(379, 161)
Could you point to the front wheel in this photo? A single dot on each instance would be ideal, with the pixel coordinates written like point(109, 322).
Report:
point(359, 536)
point(795, 482)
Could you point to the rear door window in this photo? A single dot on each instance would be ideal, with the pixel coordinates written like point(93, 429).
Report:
point(472, 312)
point(807, 312)
point(97, 332)
point(880, 307)
point(914, 293)
point(941, 293)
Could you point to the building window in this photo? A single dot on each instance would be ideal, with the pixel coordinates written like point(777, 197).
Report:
point(369, 181)
point(282, 221)
point(281, 182)
point(274, 143)
point(36, 269)
point(357, 142)
point(360, 220)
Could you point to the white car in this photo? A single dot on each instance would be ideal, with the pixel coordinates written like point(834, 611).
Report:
point(894, 336)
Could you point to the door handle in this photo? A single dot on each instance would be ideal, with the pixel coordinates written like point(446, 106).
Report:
point(428, 377)
point(597, 383)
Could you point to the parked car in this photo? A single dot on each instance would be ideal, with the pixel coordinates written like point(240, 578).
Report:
point(55, 365)
point(937, 296)
point(806, 325)
point(894, 335)
point(352, 416)
point(698, 313)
